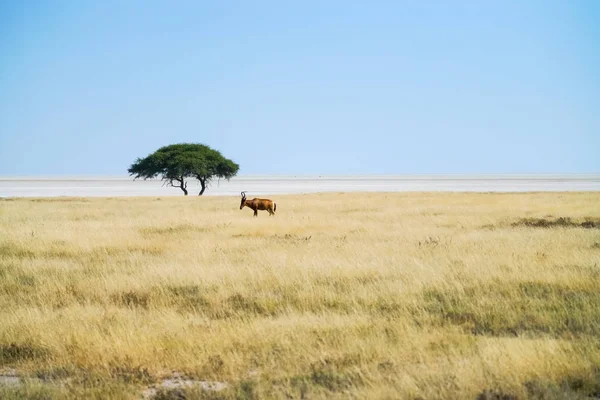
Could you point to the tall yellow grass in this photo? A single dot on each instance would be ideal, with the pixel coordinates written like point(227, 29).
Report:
point(433, 296)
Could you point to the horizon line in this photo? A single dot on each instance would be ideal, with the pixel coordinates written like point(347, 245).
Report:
point(308, 175)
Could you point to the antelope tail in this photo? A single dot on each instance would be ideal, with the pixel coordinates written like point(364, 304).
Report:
point(274, 206)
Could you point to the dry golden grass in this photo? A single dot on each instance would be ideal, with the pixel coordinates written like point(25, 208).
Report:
point(434, 296)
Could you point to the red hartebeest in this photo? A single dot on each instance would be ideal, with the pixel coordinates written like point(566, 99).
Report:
point(258, 204)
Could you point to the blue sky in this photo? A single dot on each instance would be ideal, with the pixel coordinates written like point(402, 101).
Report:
point(302, 87)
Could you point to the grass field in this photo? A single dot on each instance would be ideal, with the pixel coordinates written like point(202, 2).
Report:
point(399, 296)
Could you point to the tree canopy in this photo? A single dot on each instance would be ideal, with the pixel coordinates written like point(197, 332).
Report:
point(177, 162)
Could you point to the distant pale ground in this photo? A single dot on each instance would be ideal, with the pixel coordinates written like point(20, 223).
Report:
point(262, 185)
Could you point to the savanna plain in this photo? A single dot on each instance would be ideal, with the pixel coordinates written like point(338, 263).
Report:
point(378, 296)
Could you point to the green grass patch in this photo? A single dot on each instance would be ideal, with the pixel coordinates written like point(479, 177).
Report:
point(564, 222)
point(506, 309)
point(17, 352)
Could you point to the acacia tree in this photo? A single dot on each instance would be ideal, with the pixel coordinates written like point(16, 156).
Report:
point(177, 162)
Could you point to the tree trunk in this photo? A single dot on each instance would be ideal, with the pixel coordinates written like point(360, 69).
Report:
point(182, 184)
point(203, 184)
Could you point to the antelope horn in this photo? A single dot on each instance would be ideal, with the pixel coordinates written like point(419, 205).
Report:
point(243, 194)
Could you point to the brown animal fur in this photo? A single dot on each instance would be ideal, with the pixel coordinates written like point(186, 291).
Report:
point(258, 204)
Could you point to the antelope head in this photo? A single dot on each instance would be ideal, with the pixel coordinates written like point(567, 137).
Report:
point(243, 202)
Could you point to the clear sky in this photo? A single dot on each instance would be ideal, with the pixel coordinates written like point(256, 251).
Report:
point(302, 87)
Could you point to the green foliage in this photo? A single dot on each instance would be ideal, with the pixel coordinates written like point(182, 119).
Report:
point(177, 162)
